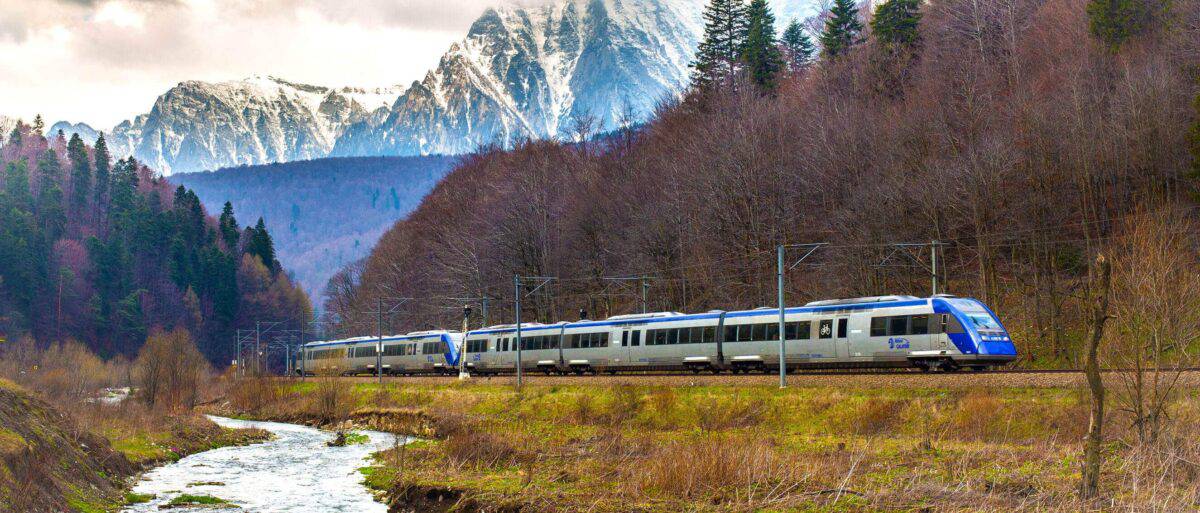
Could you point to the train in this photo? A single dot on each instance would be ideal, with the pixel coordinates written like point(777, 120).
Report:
point(942, 332)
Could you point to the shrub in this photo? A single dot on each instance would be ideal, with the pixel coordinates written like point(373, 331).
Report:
point(170, 370)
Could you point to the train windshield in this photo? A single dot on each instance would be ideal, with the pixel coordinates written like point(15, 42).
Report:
point(983, 321)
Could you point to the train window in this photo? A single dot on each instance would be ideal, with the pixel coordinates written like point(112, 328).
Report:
point(760, 332)
point(730, 334)
point(773, 331)
point(672, 336)
point(660, 337)
point(710, 334)
point(898, 325)
point(950, 324)
point(879, 326)
point(826, 329)
point(842, 327)
point(919, 325)
point(637, 339)
point(625, 339)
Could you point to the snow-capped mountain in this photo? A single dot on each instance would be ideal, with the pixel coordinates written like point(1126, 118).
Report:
point(85, 131)
point(534, 72)
point(203, 126)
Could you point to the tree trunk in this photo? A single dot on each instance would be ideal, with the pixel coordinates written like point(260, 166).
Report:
point(1089, 486)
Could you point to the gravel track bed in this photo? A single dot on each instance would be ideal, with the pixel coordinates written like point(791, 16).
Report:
point(865, 380)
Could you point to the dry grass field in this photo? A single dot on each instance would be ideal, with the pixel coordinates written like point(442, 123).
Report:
point(670, 443)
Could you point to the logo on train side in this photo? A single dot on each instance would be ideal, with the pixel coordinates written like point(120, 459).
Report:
point(826, 330)
point(898, 343)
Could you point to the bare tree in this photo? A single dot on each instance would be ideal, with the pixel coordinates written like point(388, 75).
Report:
point(1157, 304)
point(170, 370)
point(1100, 279)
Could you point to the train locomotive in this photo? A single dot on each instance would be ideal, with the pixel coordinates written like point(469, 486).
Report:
point(936, 333)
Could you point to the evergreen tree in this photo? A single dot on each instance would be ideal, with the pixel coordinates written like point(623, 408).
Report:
point(725, 28)
point(895, 23)
point(228, 226)
point(760, 53)
point(81, 172)
point(798, 46)
point(261, 245)
point(16, 186)
point(38, 125)
point(842, 29)
point(103, 164)
point(51, 216)
point(14, 137)
point(1115, 21)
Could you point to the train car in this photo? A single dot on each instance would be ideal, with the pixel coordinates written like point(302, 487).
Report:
point(941, 332)
point(422, 352)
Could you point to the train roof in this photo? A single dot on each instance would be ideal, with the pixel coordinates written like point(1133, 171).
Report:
point(828, 305)
point(415, 335)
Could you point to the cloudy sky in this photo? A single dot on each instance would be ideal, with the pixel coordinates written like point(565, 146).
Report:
point(102, 61)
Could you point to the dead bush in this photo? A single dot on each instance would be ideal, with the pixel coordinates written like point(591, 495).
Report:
point(481, 448)
point(253, 394)
point(877, 415)
point(170, 370)
point(724, 469)
point(738, 413)
point(332, 401)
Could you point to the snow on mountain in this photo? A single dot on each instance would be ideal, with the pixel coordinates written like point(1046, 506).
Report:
point(85, 131)
point(203, 126)
point(537, 72)
point(522, 72)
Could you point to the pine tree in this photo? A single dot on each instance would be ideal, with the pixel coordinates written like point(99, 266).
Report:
point(798, 46)
point(842, 29)
point(81, 172)
point(725, 28)
point(896, 22)
point(261, 245)
point(760, 53)
point(1116, 21)
point(15, 137)
point(51, 216)
point(103, 164)
point(16, 185)
point(38, 125)
point(228, 226)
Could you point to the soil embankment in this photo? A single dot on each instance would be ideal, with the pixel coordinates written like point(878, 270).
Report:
point(52, 464)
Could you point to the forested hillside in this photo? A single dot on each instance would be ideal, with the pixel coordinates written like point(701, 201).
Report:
point(326, 212)
point(105, 252)
point(1024, 134)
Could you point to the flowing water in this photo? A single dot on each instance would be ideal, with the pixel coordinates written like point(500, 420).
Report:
point(294, 472)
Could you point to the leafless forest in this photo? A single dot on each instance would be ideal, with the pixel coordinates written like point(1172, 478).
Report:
point(1010, 133)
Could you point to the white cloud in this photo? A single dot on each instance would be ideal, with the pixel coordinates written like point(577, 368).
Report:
point(102, 61)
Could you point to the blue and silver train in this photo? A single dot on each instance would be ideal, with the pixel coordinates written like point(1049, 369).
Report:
point(937, 333)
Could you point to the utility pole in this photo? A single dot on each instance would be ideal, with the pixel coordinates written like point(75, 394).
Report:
point(517, 281)
point(462, 349)
point(257, 352)
point(517, 296)
point(912, 250)
point(645, 290)
point(643, 281)
point(781, 250)
point(379, 330)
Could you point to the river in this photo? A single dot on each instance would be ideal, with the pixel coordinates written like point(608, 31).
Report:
point(294, 472)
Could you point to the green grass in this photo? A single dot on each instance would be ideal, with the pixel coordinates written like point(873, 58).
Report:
point(138, 498)
point(188, 499)
point(353, 438)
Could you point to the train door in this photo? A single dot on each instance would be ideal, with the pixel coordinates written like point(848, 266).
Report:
point(631, 340)
point(839, 328)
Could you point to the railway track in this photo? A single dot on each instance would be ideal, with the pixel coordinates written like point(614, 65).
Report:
point(856, 378)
